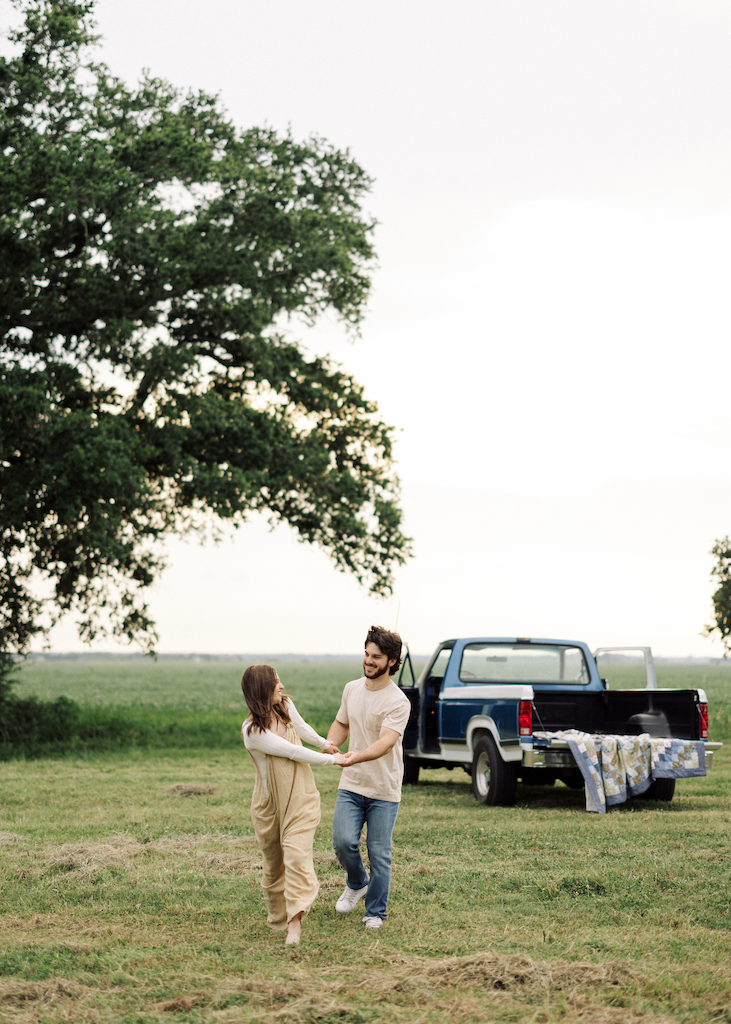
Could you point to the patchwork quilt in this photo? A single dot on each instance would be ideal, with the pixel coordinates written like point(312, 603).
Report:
point(617, 767)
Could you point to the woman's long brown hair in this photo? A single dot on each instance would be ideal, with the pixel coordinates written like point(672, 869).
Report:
point(258, 685)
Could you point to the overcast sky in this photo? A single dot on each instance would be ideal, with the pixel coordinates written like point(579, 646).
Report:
point(549, 325)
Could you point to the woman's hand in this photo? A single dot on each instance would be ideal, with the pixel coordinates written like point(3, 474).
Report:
point(331, 749)
point(340, 759)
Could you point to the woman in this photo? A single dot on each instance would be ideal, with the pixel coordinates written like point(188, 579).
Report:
point(285, 806)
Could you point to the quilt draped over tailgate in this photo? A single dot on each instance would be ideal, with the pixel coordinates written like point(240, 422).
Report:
point(617, 767)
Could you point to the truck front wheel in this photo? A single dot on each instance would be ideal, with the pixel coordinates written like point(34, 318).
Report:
point(493, 781)
point(411, 771)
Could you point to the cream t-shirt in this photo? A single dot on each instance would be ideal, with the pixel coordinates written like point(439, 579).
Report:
point(366, 712)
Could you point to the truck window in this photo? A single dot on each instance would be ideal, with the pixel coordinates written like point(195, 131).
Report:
point(523, 663)
point(406, 673)
point(623, 670)
point(439, 666)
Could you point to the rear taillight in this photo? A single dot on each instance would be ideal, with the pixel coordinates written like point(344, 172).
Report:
point(703, 711)
point(525, 718)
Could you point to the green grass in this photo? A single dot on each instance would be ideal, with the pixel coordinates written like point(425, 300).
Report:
point(124, 902)
point(208, 684)
point(175, 702)
point(179, 702)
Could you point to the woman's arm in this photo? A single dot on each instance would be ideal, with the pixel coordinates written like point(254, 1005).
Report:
point(305, 731)
point(269, 743)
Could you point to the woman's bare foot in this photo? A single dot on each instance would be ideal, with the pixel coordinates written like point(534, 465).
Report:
point(294, 931)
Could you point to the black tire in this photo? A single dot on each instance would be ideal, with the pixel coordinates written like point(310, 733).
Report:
point(661, 789)
point(493, 780)
point(411, 771)
point(537, 777)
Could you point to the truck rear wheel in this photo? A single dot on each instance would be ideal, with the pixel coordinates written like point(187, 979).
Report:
point(661, 789)
point(493, 781)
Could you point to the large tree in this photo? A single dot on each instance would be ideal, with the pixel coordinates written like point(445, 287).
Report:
point(721, 624)
point(154, 261)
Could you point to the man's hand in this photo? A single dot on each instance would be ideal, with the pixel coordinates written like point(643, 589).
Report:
point(387, 740)
point(331, 749)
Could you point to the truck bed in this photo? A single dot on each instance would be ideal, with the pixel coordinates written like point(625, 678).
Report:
point(610, 712)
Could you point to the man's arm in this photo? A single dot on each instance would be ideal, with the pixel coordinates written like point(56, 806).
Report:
point(337, 735)
point(387, 740)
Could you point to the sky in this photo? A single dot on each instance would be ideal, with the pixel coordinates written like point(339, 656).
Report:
point(549, 323)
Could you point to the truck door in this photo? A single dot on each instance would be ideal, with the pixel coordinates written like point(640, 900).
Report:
point(407, 683)
point(432, 689)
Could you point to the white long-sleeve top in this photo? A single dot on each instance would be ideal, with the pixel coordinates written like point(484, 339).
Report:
point(259, 744)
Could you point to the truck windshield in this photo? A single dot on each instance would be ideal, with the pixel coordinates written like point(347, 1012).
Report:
point(523, 663)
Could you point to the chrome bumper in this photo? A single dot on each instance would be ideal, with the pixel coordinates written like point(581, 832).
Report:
point(558, 755)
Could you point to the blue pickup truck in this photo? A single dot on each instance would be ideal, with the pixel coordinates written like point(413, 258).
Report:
point(493, 706)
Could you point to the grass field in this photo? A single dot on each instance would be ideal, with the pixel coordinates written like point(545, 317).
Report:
point(177, 701)
point(188, 702)
point(126, 900)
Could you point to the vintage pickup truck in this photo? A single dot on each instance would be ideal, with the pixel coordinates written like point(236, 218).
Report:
point(493, 706)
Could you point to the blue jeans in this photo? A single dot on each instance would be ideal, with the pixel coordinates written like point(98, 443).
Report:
point(352, 812)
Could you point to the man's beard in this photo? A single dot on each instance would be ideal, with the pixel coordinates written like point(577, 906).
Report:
point(379, 672)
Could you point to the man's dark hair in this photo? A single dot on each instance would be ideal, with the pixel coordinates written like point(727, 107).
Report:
point(389, 644)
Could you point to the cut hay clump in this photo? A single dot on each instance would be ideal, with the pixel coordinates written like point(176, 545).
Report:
point(181, 1004)
point(191, 789)
point(284, 1002)
point(8, 837)
point(181, 843)
point(242, 841)
point(46, 993)
point(222, 863)
point(462, 987)
point(77, 860)
point(499, 971)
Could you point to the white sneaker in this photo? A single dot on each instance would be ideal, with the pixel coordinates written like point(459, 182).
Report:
point(348, 900)
point(372, 922)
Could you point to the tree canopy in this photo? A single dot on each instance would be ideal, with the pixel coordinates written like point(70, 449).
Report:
point(154, 261)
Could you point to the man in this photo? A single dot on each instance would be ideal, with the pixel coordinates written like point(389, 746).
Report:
point(374, 712)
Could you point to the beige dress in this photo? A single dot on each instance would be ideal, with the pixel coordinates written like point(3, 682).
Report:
point(285, 820)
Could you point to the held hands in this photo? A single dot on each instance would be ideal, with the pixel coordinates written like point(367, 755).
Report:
point(345, 760)
point(340, 759)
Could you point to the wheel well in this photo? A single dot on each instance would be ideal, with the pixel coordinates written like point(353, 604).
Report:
point(478, 734)
point(479, 731)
